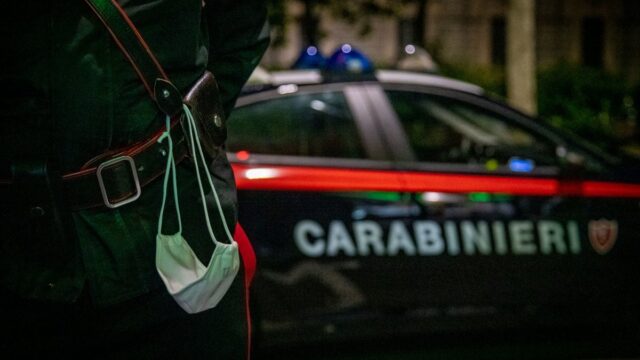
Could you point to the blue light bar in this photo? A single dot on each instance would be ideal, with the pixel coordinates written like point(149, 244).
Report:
point(347, 59)
point(310, 58)
point(517, 164)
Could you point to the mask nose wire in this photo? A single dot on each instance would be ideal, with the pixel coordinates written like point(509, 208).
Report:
point(169, 171)
point(195, 140)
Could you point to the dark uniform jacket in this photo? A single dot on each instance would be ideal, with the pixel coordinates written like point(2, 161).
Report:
point(69, 93)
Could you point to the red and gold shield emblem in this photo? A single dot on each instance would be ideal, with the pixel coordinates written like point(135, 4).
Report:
point(603, 234)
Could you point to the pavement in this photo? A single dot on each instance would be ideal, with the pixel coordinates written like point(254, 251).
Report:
point(613, 347)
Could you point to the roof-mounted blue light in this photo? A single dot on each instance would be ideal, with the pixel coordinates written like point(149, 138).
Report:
point(349, 60)
point(310, 58)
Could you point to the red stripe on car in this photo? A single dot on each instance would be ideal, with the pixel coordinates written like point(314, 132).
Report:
point(283, 178)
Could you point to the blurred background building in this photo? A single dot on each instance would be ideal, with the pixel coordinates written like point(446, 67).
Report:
point(598, 33)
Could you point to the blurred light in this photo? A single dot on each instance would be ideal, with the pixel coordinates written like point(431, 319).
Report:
point(242, 155)
point(492, 165)
point(432, 197)
point(410, 49)
point(440, 197)
point(310, 58)
point(287, 89)
point(517, 164)
point(264, 173)
point(312, 50)
point(318, 105)
point(561, 151)
point(347, 59)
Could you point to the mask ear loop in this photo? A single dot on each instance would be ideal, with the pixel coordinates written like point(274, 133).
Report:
point(170, 171)
point(195, 140)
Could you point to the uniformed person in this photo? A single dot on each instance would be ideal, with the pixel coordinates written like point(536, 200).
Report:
point(79, 278)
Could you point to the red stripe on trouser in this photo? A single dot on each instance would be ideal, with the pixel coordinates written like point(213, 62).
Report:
point(249, 260)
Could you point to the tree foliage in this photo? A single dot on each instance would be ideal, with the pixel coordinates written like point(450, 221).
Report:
point(589, 102)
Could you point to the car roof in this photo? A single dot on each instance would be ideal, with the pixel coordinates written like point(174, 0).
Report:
point(313, 76)
point(407, 77)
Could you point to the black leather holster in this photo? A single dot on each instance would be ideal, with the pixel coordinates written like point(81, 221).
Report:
point(204, 102)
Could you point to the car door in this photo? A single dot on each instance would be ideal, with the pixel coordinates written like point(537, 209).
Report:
point(504, 233)
point(310, 163)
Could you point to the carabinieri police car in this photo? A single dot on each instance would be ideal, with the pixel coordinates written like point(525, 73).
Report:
point(393, 203)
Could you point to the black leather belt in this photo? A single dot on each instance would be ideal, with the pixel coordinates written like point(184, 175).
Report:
point(118, 178)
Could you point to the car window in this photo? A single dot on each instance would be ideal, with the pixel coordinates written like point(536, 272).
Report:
point(305, 124)
point(442, 129)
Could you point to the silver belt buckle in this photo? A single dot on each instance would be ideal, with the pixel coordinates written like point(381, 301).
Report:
point(103, 190)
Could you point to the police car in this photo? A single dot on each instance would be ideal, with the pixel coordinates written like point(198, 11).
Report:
point(391, 203)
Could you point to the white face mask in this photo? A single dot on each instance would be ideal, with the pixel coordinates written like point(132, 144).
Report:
point(194, 286)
